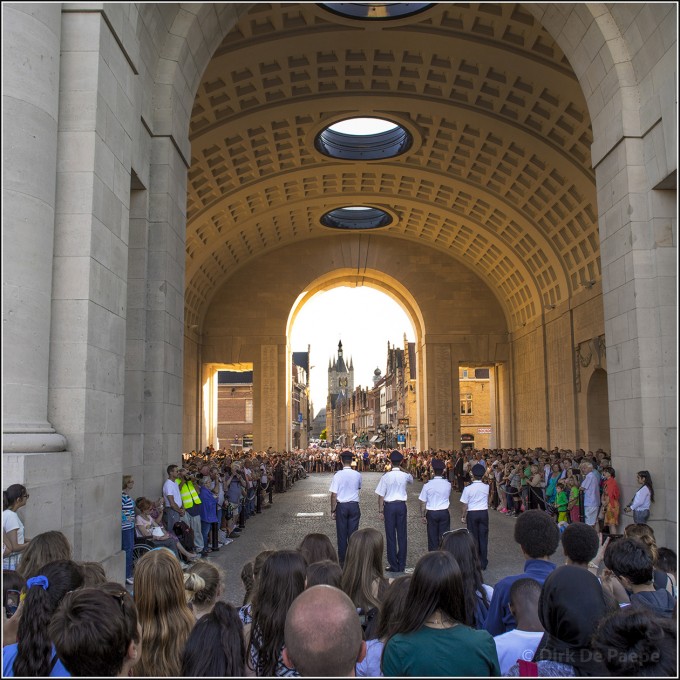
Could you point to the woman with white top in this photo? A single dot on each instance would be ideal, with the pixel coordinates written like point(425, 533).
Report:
point(13, 498)
point(644, 497)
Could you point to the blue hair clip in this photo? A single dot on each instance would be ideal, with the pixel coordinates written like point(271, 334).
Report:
point(38, 581)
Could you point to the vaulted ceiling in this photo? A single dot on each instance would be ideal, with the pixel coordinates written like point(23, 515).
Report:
point(499, 175)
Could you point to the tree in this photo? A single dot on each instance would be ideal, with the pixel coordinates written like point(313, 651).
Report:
point(323, 434)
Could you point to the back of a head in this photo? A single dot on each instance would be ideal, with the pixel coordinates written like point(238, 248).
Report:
point(537, 534)
point(580, 542)
point(43, 595)
point(524, 596)
point(205, 592)
point(631, 559)
point(49, 546)
point(322, 634)
point(633, 642)
point(93, 574)
point(667, 560)
point(363, 564)
point(317, 547)
point(216, 647)
point(164, 615)
point(571, 605)
point(645, 534)
point(93, 628)
point(324, 572)
point(392, 606)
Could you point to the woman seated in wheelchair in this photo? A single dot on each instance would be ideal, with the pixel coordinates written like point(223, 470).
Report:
point(150, 531)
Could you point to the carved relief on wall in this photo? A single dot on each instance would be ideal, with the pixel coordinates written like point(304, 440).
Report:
point(589, 352)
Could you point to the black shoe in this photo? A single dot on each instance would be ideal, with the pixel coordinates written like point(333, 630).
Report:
point(389, 569)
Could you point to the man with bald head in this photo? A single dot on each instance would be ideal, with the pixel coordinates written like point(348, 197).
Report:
point(323, 634)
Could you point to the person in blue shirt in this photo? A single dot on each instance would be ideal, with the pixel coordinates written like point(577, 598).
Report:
point(538, 537)
point(208, 508)
point(34, 655)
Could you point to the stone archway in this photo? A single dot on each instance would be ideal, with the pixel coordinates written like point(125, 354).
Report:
point(598, 412)
point(251, 323)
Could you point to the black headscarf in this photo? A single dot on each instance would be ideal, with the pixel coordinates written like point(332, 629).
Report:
point(570, 607)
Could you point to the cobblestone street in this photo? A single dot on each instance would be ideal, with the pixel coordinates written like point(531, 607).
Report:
point(305, 508)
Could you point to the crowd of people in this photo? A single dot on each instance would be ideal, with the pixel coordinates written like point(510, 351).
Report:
point(610, 610)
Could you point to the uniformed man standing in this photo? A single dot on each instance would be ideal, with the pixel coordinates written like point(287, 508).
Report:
point(434, 505)
point(392, 496)
point(475, 500)
point(345, 503)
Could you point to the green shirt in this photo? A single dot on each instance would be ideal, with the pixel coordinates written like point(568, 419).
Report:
point(459, 651)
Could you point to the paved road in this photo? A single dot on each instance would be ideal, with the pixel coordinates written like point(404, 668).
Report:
point(283, 526)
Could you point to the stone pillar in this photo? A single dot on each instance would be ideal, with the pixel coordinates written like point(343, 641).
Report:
point(164, 339)
point(443, 394)
point(88, 334)
point(270, 401)
point(30, 104)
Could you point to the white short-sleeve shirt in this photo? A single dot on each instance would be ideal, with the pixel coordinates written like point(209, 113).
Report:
point(346, 484)
point(476, 496)
point(436, 494)
point(392, 485)
point(171, 488)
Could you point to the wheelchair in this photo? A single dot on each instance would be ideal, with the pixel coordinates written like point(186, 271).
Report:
point(142, 546)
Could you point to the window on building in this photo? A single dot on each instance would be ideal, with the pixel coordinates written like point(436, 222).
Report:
point(249, 411)
point(466, 404)
point(481, 373)
point(465, 373)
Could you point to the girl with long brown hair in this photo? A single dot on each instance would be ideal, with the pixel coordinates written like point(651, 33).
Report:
point(164, 615)
point(281, 580)
point(362, 577)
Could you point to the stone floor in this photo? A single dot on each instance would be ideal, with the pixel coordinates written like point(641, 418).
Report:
point(282, 527)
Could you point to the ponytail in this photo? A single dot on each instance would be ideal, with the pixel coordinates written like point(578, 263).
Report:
point(13, 493)
point(43, 595)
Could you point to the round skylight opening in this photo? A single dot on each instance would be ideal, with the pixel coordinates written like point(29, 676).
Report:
point(363, 138)
point(376, 11)
point(356, 217)
point(363, 126)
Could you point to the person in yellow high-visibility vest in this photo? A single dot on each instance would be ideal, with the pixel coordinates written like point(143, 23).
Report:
point(191, 504)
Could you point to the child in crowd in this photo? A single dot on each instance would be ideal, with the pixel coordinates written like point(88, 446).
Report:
point(561, 505)
point(572, 485)
point(522, 642)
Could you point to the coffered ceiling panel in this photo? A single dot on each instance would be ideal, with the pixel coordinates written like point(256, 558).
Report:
point(499, 174)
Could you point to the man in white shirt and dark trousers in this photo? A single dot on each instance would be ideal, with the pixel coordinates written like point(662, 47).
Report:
point(345, 510)
point(392, 496)
point(434, 505)
point(475, 500)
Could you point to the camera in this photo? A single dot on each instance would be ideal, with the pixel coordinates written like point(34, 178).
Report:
point(11, 602)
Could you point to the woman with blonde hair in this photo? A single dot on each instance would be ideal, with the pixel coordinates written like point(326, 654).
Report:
point(43, 549)
point(203, 586)
point(645, 534)
point(362, 577)
point(164, 616)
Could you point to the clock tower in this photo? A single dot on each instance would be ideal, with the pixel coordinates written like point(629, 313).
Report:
point(340, 375)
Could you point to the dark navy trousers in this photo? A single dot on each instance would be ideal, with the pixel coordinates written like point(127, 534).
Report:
point(395, 534)
point(347, 516)
point(478, 526)
point(438, 521)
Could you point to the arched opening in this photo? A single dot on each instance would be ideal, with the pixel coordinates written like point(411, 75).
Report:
point(598, 412)
point(366, 388)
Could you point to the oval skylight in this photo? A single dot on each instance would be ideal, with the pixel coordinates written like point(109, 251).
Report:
point(363, 126)
point(362, 138)
point(356, 217)
point(373, 11)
